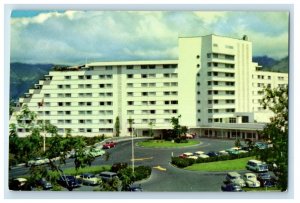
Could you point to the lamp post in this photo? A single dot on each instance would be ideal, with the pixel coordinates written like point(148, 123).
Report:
point(130, 120)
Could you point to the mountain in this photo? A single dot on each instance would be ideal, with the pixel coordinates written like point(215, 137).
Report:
point(264, 61)
point(23, 76)
point(270, 64)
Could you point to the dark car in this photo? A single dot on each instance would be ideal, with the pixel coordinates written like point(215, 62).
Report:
point(20, 184)
point(135, 188)
point(231, 188)
point(44, 184)
point(266, 180)
point(69, 182)
point(212, 154)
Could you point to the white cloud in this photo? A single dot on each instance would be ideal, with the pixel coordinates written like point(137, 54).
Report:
point(72, 36)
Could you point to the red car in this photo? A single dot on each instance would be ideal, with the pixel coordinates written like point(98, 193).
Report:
point(109, 145)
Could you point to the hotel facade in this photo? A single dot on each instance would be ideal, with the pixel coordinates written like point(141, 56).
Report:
point(214, 86)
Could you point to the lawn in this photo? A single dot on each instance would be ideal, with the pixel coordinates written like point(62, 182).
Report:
point(236, 164)
point(166, 144)
point(89, 169)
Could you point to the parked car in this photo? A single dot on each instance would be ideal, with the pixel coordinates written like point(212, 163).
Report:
point(69, 182)
point(44, 184)
point(134, 188)
point(186, 155)
point(18, 184)
point(223, 153)
point(37, 161)
point(97, 152)
point(235, 150)
point(109, 145)
point(257, 166)
point(203, 156)
point(261, 145)
point(265, 180)
point(251, 180)
point(212, 154)
point(198, 153)
point(108, 176)
point(235, 178)
point(88, 179)
point(230, 187)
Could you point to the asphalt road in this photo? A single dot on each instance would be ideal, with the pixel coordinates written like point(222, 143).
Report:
point(164, 177)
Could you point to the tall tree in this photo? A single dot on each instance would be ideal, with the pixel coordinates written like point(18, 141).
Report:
point(276, 132)
point(117, 126)
point(151, 125)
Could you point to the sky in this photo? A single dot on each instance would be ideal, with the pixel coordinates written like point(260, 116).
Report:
point(76, 37)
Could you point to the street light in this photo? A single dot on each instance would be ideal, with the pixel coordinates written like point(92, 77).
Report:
point(130, 120)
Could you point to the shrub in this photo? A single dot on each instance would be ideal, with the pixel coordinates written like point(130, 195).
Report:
point(182, 162)
point(118, 166)
point(142, 172)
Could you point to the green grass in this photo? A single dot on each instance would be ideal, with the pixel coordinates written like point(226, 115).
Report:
point(90, 169)
point(236, 164)
point(166, 144)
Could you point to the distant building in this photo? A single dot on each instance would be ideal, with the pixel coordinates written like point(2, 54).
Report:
point(214, 86)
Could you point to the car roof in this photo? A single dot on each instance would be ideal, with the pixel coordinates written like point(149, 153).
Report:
point(108, 173)
point(233, 174)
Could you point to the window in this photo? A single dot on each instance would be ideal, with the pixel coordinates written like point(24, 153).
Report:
point(174, 102)
point(80, 77)
point(46, 95)
point(130, 112)
point(152, 102)
point(88, 86)
point(144, 66)
point(269, 77)
point(109, 85)
point(89, 130)
point(129, 67)
point(108, 68)
point(197, 56)
point(152, 111)
point(209, 110)
point(68, 95)
point(144, 76)
point(174, 84)
point(60, 103)
point(130, 103)
point(67, 112)
point(167, 102)
point(130, 94)
point(144, 84)
point(144, 93)
point(60, 113)
point(60, 95)
point(129, 84)
point(68, 121)
point(59, 86)
point(151, 66)
point(101, 85)
point(166, 75)
point(89, 103)
point(129, 75)
point(209, 55)
point(67, 77)
point(81, 112)
point(232, 120)
point(88, 77)
point(152, 75)
point(152, 84)
point(109, 76)
point(67, 103)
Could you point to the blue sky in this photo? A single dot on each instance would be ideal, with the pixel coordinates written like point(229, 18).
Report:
point(72, 37)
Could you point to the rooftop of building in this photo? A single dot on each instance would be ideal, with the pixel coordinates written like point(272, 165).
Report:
point(243, 38)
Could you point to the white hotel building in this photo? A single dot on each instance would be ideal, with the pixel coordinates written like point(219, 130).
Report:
point(214, 86)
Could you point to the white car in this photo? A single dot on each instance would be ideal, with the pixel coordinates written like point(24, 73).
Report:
point(198, 153)
point(203, 156)
point(88, 179)
point(38, 161)
point(251, 180)
point(97, 152)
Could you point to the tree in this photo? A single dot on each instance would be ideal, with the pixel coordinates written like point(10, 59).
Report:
point(117, 127)
point(176, 126)
point(276, 132)
point(151, 124)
